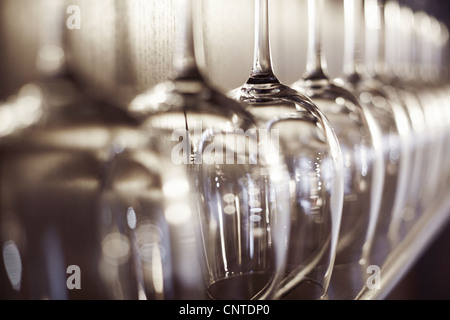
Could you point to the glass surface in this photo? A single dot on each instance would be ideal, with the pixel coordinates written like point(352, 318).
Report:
point(355, 130)
point(243, 196)
point(391, 120)
point(427, 81)
point(395, 36)
point(51, 158)
point(404, 81)
point(147, 225)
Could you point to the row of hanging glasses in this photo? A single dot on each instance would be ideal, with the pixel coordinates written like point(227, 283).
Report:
point(188, 192)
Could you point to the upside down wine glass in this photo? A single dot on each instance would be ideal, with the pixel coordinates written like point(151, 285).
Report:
point(439, 51)
point(51, 155)
point(243, 196)
point(357, 133)
point(396, 69)
point(390, 117)
point(146, 224)
point(312, 154)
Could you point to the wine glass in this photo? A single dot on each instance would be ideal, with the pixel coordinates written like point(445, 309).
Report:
point(441, 52)
point(356, 131)
point(402, 61)
point(243, 195)
point(390, 117)
point(313, 157)
point(50, 164)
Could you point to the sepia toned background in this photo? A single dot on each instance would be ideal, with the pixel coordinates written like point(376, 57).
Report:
point(125, 47)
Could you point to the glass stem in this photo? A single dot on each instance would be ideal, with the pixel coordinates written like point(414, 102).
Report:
point(316, 64)
point(375, 42)
point(185, 65)
point(352, 48)
point(262, 71)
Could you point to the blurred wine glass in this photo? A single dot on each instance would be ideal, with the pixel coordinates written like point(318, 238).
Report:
point(53, 146)
point(312, 153)
point(243, 196)
point(427, 41)
point(401, 75)
point(390, 117)
point(441, 53)
point(357, 132)
point(147, 224)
